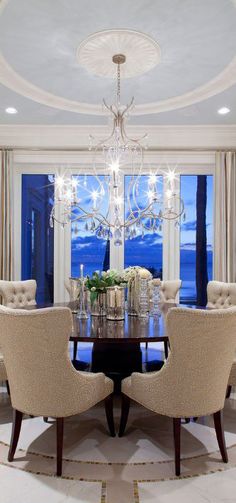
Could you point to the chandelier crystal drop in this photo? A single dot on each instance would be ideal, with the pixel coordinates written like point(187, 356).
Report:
point(146, 206)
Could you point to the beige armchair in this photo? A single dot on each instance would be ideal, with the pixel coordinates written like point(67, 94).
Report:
point(222, 295)
point(168, 293)
point(18, 294)
point(193, 381)
point(169, 290)
point(42, 380)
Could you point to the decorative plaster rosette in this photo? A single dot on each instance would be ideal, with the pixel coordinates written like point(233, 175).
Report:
point(141, 51)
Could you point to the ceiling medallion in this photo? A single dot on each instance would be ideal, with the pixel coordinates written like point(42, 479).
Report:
point(95, 53)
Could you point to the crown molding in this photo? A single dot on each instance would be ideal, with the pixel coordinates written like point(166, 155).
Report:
point(77, 137)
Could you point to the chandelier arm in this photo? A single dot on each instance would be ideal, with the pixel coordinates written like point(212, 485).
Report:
point(101, 143)
point(109, 108)
point(127, 108)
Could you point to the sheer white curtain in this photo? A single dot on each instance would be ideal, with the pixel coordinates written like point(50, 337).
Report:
point(225, 217)
point(6, 215)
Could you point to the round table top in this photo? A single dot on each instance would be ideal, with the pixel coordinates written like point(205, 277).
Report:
point(132, 329)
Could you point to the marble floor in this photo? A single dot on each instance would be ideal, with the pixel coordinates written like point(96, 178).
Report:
point(137, 468)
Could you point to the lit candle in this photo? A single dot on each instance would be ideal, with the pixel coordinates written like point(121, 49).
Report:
point(81, 271)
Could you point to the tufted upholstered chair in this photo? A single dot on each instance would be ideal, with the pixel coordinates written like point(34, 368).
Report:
point(193, 380)
point(169, 290)
point(168, 293)
point(42, 380)
point(222, 295)
point(18, 294)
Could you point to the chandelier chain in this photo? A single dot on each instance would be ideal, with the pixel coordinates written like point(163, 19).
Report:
point(118, 84)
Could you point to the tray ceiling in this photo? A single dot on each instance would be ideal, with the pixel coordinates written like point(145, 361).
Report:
point(40, 74)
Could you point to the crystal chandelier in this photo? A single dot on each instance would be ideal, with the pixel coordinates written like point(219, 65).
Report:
point(146, 207)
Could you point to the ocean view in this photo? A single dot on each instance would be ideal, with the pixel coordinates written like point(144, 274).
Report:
point(147, 253)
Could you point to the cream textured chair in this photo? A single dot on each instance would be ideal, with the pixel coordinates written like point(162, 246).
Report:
point(222, 295)
point(18, 294)
point(169, 290)
point(42, 380)
point(168, 293)
point(193, 381)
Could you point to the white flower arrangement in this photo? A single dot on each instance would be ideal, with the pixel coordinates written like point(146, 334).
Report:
point(130, 273)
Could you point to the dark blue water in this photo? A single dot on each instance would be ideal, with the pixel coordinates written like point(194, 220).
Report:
point(91, 252)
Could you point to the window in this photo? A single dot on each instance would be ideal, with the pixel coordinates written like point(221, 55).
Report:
point(197, 194)
point(37, 237)
point(144, 249)
point(86, 246)
point(51, 255)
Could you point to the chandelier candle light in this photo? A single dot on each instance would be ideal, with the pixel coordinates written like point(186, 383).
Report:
point(146, 207)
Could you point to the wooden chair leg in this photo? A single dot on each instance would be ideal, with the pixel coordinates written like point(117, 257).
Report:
point(166, 349)
point(8, 388)
point(125, 405)
point(109, 414)
point(60, 429)
point(228, 391)
point(177, 429)
point(218, 421)
point(16, 426)
point(75, 350)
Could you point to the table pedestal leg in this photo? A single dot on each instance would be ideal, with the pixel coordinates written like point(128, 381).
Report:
point(116, 360)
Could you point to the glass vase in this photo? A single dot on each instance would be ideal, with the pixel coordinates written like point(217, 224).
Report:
point(156, 299)
point(115, 303)
point(98, 306)
point(82, 312)
point(143, 297)
point(74, 292)
point(132, 299)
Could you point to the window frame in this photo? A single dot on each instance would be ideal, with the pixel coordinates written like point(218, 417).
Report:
point(57, 162)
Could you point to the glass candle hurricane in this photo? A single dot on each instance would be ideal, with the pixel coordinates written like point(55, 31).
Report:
point(143, 297)
point(115, 303)
point(98, 305)
point(156, 299)
point(74, 292)
point(82, 312)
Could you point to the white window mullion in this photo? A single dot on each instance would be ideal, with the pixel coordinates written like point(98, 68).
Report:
point(62, 255)
point(171, 241)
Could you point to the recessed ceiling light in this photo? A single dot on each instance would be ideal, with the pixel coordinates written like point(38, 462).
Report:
point(223, 110)
point(11, 110)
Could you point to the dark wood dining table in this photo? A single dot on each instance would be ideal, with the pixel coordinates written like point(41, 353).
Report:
point(116, 344)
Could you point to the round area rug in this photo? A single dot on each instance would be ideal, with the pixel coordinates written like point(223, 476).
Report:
point(144, 454)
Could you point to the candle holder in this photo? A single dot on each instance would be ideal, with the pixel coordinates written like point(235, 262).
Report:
point(74, 292)
point(143, 297)
point(115, 303)
point(82, 312)
point(156, 300)
point(98, 306)
point(132, 298)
